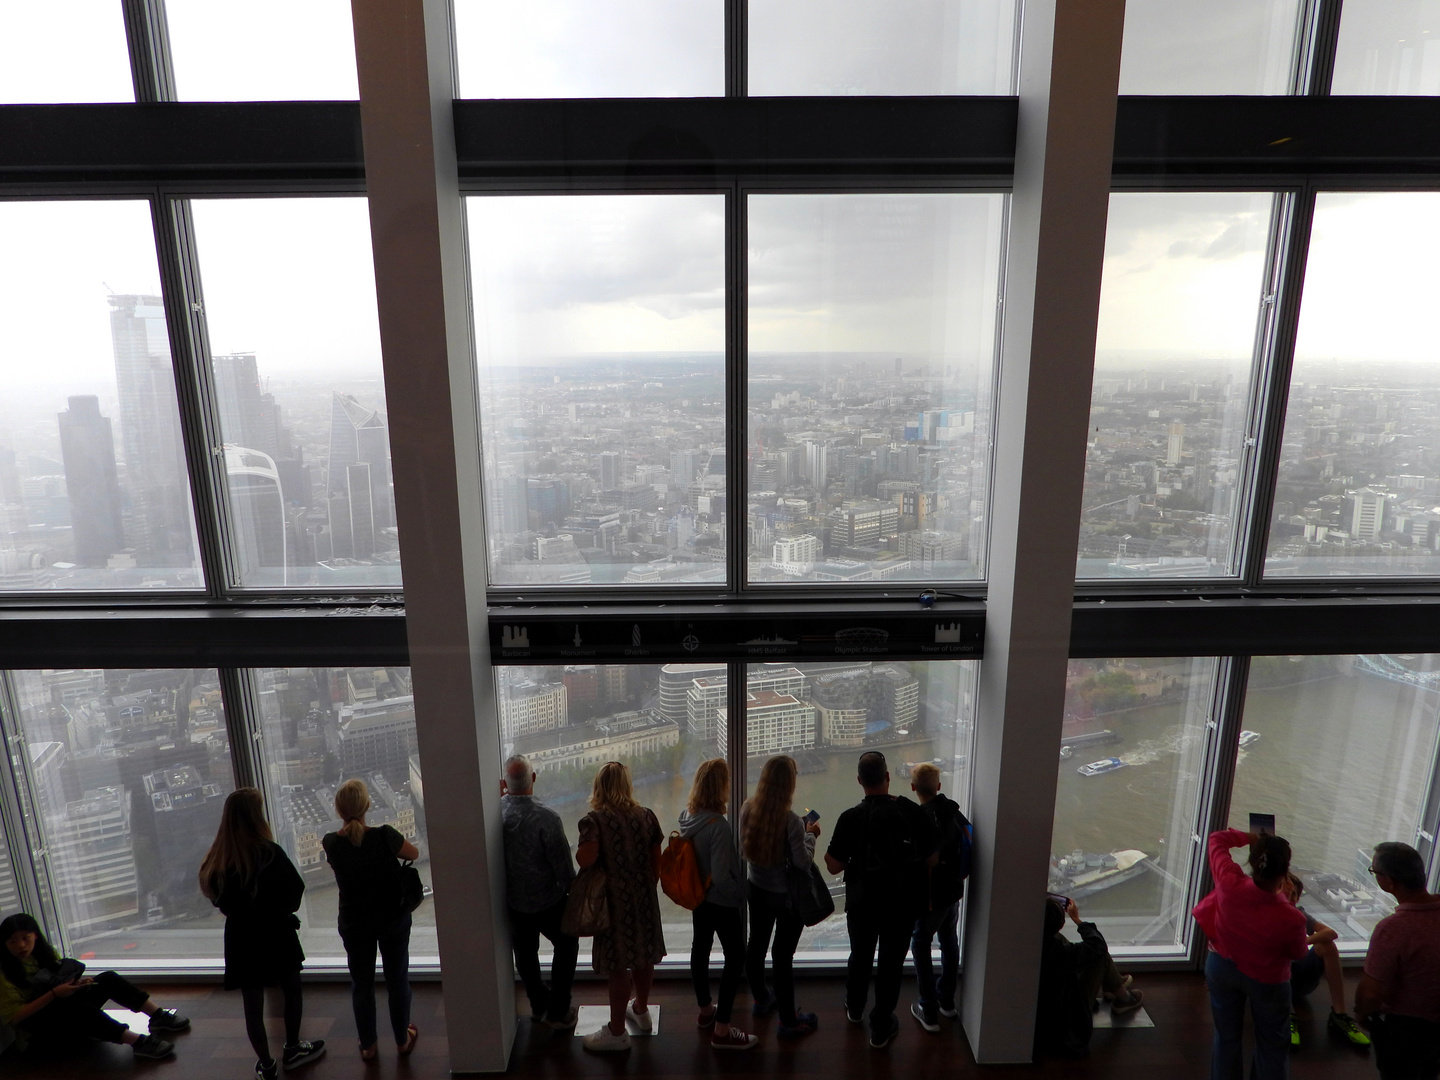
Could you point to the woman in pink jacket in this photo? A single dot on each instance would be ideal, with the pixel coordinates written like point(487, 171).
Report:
point(1255, 933)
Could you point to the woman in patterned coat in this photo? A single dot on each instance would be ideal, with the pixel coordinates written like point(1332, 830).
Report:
point(624, 838)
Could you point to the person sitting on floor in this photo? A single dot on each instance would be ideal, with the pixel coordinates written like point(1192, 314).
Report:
point(1322, 959)
point(1073, 975)
point(50, 1002)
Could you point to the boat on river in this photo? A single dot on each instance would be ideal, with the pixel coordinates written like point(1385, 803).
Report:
point(1104, 765)
point(1248, 739)
point(1089, 738)
point(1084, 873)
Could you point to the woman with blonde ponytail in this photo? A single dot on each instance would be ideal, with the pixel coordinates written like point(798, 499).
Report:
point(366, 862)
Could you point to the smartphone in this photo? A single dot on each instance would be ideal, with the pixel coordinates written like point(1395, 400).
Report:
point(1262, 823)
point(1063, 901)
point(811, 816)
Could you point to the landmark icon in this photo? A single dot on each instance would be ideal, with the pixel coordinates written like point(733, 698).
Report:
point(515, 637)
point(947, 633)
point(635, 635)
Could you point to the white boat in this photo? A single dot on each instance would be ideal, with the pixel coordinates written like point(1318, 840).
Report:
point(1104, 765)
point(1082, 874)
point(1248, 739)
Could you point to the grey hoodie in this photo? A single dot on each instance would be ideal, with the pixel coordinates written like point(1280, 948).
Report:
point(715, 852)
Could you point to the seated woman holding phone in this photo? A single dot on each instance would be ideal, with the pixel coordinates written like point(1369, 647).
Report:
point(1073, 976)
point(49, 1000)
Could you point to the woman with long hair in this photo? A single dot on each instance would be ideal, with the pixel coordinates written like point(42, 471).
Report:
point(1255, 934)
point(249, 877)
point(49, 1001)
point(623, 838)
point(772, 837)
point(703, 823)
point(366, 862)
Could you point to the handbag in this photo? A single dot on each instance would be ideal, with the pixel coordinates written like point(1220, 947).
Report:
point(809, 893)
point(412, 889)
point(587, 911)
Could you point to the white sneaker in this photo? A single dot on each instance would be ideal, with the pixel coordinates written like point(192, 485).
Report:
point(606, 1041)
point(644, 1021)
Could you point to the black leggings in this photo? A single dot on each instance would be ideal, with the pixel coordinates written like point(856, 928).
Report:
point(771, 911)
point(711, 921)
point(80, 1014)
point(254, 997)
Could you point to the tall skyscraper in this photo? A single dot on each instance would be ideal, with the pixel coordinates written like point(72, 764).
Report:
point(258, 511)
point(609, 470)
point(358, 436)
point(150, 432)
point(87, 446)
point(1175, 444)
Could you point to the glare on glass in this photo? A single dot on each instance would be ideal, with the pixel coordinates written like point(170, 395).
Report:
point(64, 51)
point(126, 773)
point(295, 350)
point(600, 337)
point(1340, 749)
point(262, 50)
point(318, 728)
point(1132, 746)
point(1358, 481)
point(1388, 47)
point(872, 339)
point(1179, 305)
point(575, 48)
point(826, 715)
point(93, 486)
point(1218, 47)
point(880, 47)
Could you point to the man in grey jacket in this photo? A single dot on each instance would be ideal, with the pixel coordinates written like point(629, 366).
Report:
point(538, 872)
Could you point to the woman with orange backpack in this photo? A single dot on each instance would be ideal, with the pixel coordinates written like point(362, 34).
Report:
point(703, 824)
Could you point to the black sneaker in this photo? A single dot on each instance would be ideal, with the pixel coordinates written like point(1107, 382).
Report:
point(884, 1037)
point(267, 1070)
point(930, 1024)
point(152, 1048)
point(854, 1017)
point(947, 1009)
point(168, 1020)
point(303, 1052)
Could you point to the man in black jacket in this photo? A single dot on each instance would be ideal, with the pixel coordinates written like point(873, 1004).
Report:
point(942, 917)
point(1072, 978)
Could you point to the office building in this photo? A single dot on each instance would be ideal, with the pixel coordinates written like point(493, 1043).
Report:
point(88, 448)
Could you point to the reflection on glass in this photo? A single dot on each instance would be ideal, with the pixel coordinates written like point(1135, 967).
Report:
point(600, 335)
point(1388, 47)
point(1339, 749)
point(320, 727)
point(262, 50)
point(871, 352)
point(295, 347)
point(1131, 752)
point(93, 488)
point(1359, 471)
point(1179, 301)
point(64, 51)
point(9, 890)
point(127, 771)
point(573, 48)
point(1218, 47)
point(899, 47)
point(826, 715)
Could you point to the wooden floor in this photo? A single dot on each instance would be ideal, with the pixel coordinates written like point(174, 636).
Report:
point(1177, 1048)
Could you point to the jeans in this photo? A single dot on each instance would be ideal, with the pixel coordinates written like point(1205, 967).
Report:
point(1406, 1047)
point(892, 932)
point(771, 911)
point(1270, 1012)
point(393, 941)
point(711, 921)
point(946, 923)
point(81, 1014)
point(548, 1002)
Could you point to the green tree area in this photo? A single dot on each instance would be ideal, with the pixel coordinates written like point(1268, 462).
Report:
point(1108, 691)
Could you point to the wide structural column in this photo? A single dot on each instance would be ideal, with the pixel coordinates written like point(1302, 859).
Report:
point(1069, 73)
point(404, 54)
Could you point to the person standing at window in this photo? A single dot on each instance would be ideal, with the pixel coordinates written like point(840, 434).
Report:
point(623, 838)
point(772, 837)
point(366, 862)
point(703, 823)
point(249, 877)
point(947, 886)
point(1255, 934)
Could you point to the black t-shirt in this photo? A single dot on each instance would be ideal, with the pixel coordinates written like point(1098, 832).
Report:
point(368, 875)
point(884, 842)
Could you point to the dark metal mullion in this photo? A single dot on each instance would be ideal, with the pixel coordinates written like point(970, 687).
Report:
point(147, 33)
point(1274, 395)
point(736, 394)
point(736, 749)
point(242, 725)
point(737, 23)
point(194, 384)
point(1325, 41)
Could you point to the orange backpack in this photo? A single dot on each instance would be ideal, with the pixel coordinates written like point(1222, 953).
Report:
point(680, 873)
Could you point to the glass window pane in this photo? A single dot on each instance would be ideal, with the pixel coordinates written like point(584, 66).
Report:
point(1218, 47)
point(871, 350)
point(262, 50)
point(1388, 47)
point(575, 48)
point(319, 728)
point(1184, 276)
point(826, 715)
point(568, 721)
point(1131, 752)
point(64, 51)
point(901, 47)
point(295, 345)
point(1359, 474)
point(600, 335)
point(93, 486)
point(1340, 749)
point(128, 770)
point(9, 890)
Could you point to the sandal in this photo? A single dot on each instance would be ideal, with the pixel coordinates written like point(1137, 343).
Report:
point(371, 1052)
point(410, 1042)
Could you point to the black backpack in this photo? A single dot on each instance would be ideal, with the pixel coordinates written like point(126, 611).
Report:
point(947, 878)
point(892, 874)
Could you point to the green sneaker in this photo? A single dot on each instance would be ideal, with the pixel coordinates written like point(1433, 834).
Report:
point(1343, 1024)
point(1294, 1032)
